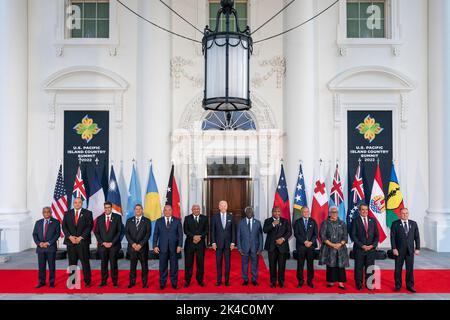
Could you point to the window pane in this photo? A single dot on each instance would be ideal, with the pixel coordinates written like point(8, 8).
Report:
point(363, 10)
point(366, 19)
point(353, 28)
point(379, 33)
point(76, 33)
point(90, 10)
point(103, 10)
point(103, 29)
point(89, 29)
point(352, 10)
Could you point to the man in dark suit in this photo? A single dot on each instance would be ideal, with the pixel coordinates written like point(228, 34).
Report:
point(45, 234)
point(168, 242)
point(404, 234)
point(77, 226)
point(365, 241)
point(250, 244)
point(277, 244)
point(223, 240)
point(138, 230)
point(305, 232)
point(108, 229)
point(196, 229)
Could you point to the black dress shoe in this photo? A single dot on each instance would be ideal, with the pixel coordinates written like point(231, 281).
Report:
point(88, 285)
point(411, 289)
point(101, 285)
point(174, 286)
point(342, 287)
point(40, 285)
point(162, 287)
point(397, 289)
point(311, 285)
point(186, 284)
point(218, 283)
point(115, 285)
point(329, 285)
point(227, 283)
point(273, 285)
point(281, 285)
point(131, 285)
point(300, 284)
point(255, 283)
point(245, 283)
point(201, 284)
point(52, 285)
point(358, 287)
point(145, 286)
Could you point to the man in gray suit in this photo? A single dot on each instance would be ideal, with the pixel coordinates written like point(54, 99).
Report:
point(250, 244)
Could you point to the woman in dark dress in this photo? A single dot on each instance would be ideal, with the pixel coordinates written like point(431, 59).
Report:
point(333, 252)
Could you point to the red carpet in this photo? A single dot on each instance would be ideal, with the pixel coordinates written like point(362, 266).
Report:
point(23, 281)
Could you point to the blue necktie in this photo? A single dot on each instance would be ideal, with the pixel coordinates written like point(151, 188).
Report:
point(306, 224)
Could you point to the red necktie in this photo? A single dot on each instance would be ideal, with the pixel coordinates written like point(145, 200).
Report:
point(45, 229)
point(76, 217)
point(107, 223)
point(366, 227)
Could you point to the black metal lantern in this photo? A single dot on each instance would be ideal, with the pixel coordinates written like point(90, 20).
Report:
point(227, 64)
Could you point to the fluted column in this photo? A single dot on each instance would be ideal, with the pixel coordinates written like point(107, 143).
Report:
point(14, 218)
point(154, 109)
point(437, 222)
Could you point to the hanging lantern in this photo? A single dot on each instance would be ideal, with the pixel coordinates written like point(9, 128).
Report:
point(227, 64)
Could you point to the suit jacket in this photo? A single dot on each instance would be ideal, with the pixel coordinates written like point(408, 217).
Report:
point(359, 233)
point(402, 242)
point(223, 238)
point(113, 235)
point(283, 230)
point(53, 233)
point(309, 235)
point(167, 239)
point(191, 229)
point(83, 228)
point(139, 235)
point(250, 242)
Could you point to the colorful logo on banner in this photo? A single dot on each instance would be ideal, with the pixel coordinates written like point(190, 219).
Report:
point(87, 128)
point(369, 128)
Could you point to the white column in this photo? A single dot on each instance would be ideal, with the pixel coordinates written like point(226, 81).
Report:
point(300, 101)
point(14, 218)
point(154, 109)
point(437, 222)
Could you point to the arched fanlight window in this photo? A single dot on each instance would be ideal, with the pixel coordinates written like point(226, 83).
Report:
point(228, 121)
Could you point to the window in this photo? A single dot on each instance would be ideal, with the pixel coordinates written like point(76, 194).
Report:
point(241, 8)
point(89, 18)
point(228, 121)
point(366, 19)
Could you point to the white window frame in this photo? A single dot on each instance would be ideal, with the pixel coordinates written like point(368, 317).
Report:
point(392, 30)
point(61, 31)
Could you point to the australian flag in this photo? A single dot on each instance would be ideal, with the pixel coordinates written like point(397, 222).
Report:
point(282, 197)
point(356, 197)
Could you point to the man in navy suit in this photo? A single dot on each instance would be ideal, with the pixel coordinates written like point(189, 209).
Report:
point(404, 234)
point(77, 226)
point(250, 244)
point(45, 234)
point(305, 232)
point(167, 242)
point(223, 240)
point(365, 237)
point(108, 229)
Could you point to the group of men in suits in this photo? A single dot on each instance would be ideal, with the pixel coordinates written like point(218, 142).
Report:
point(226, 235)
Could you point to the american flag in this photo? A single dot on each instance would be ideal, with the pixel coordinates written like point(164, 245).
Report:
point(59, 202)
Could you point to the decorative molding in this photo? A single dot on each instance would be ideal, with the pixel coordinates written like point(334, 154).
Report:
point(177, 70)
point(278, 67)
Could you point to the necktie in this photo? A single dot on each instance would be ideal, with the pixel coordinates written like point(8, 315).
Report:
point(107, 223)
point(76, 217)
point(224, 221)
point(366, 227)
point(249, 225)
point(196, 219)
point(45, 229)
point(405, 224)
point(306, 224)
point(137, 222)
point(168, 223)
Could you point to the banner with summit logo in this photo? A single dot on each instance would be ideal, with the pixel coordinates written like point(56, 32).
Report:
point(86, 144)
point(369, 138)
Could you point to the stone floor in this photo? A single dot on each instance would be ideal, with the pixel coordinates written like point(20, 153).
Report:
point(427, 260)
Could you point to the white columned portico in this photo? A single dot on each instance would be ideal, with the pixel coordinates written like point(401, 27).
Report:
point(299, 94)
point(14, 217)
point(437, 222)
point(154, 115)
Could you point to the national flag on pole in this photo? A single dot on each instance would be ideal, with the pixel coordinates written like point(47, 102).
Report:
point(319, 209)
point(152, 207)
point(299, 196)
point(377, 205)
point(79, 191)
point(394, 199)
point(59, 202)
point(114, 193)
point(173, 196)
point(134, 193)
point(337, 195)
point(356, 198)
point(97, 197)
point(282, 197)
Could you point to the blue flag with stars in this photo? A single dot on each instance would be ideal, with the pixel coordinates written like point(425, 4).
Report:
point(300, 196)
